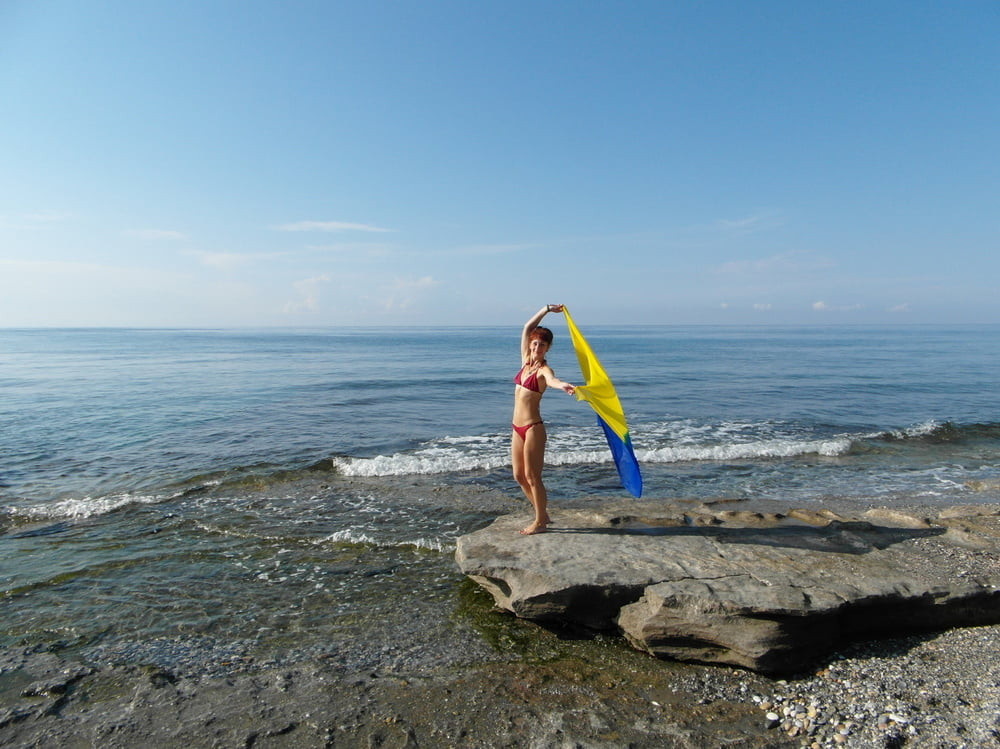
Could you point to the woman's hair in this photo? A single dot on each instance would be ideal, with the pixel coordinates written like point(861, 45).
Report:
point(544, 333)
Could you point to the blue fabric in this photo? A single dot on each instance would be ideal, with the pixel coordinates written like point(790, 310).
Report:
point(625, 461)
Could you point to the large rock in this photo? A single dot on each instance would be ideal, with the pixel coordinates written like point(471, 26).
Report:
point(769, 589)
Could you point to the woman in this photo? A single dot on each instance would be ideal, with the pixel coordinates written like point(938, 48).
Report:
point(527, 443)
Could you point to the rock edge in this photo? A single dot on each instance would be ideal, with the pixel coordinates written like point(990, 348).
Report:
point(767, 588)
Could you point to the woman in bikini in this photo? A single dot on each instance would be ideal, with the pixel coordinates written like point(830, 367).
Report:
point(527, 442)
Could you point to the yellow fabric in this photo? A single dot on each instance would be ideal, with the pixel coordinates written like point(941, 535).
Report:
point(598, 392)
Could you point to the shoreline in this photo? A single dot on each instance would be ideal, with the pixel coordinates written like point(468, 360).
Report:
point(914, 691)
point(468, 675)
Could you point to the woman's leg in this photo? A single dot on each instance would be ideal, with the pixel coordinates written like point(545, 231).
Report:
point(528, 458)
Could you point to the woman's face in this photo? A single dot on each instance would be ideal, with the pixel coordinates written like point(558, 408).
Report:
point(537, 348)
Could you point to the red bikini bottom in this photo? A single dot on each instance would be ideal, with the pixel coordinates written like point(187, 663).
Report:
point(521, 431)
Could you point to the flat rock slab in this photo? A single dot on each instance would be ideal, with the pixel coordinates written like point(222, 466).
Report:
point(768, 588)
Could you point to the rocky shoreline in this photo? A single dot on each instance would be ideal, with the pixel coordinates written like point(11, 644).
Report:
point(770, 588)
point(938, 690)
point(472, 676)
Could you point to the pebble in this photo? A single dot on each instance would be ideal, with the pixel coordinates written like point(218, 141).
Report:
point(917, 689)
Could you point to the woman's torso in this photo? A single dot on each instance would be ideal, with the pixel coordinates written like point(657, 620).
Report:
point(528, 395)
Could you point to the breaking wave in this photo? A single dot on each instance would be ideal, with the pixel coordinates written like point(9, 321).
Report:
point(932, 432)
point(677, 442)
point(748, 451)
point(655, 443)
point(79, 508)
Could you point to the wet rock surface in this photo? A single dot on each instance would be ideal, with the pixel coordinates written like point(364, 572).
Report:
point(532, 688)
point(462, 673)
point(768, 588)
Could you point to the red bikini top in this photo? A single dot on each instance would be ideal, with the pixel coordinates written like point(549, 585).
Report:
point(530, 382)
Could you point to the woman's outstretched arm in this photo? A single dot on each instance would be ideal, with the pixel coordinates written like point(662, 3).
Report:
point(552, 381)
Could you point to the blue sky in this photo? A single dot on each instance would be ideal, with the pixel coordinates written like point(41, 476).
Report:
point(316, 163)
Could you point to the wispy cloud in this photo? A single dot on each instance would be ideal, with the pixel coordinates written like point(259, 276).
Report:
point(404, 292)
point(382, 249)
point(475, 250)
point(153, 234)
point(749, 224)
point(308, 295)
point(93, 280)
point(328, 226)
point(65, 267)
point(33, 220)
point(230, 260)
point(47, 217)
point(786, 262)
point(73, 293)
point(367, 249)
point(824, 307)
point(405, 284)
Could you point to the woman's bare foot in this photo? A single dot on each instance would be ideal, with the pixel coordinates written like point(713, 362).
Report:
point(534, 528)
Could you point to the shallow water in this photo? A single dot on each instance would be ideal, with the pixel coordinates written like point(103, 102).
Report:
point(283, 491)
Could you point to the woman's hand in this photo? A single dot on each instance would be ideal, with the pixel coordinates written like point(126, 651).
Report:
point(553, 308)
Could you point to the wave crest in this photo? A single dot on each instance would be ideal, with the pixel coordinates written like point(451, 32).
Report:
point(934, 432)
point(81, 508)
point(748, 451)
point(441, 460)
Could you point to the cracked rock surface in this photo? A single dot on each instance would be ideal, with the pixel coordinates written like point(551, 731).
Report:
point(764, 587)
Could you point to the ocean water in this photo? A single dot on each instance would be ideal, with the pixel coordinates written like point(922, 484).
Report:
point(254, 493)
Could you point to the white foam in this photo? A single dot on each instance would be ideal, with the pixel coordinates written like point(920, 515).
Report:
point(747, 451)
point(917, 430)
point(685, 442)
point(401, 464)
point(83, 507)
point(348, 536)
point(431, 544)
point(578, 457)
point(360, 537)
point(921, 429)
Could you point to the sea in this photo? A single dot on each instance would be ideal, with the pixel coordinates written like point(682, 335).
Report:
point(197, 497)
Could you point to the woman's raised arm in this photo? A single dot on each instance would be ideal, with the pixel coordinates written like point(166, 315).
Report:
point(532, 324)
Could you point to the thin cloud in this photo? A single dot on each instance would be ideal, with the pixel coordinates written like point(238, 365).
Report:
point(154, 234)
point(33, 220)
point(308, 295)
point(61, 267)
point(476, 250)
point(230, 260)
point(40, 275)
point(404, 292)
point(424, 282)
point(381, 249)
point(787, 262)
point(329, 226)
point(373, 249)
point(750, 224)
point(47, 217)
point(822, 306)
